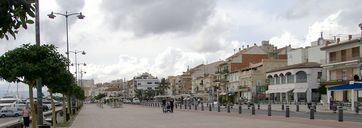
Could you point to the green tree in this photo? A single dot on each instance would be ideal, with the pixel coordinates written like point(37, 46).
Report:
point(28, 63)
point(59, 83)
point(149, 94)
point(164, 85)
point(139, 94)
point(99, 96)
point(13, 15)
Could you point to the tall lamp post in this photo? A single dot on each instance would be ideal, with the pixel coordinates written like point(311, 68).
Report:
point(66, 15)
point(76, 64)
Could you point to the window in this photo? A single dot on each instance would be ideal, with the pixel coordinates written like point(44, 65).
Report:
point(138, 83)
point(333, 75)
point(344, 74)
point(277, 80)
point(343, 55)
point(271, 80)
point(156, 82)
point(301, 77)
point(355, 52)
point(332, 56)
point(282, 78)
point(290, 77)
point(149, 82)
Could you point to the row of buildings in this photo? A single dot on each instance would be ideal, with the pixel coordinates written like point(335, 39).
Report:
point(322, 71)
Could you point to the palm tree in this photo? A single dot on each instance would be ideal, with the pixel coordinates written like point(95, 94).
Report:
point(163, 86)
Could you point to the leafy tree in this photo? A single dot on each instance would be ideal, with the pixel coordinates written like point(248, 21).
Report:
point(163, 86)
point(59, 83)
point(13, 15)
point(99, 96)
point(139, 93)
point(29, 63)
point(149, 94)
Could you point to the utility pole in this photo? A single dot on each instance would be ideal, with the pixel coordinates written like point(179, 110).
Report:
point(39, 84)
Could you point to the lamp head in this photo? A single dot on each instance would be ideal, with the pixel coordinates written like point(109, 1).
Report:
point(84, 64)
point(51, 15)
point(80, 16)
point(83, 53)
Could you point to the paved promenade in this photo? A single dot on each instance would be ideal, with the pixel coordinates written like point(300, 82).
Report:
point(136, 116)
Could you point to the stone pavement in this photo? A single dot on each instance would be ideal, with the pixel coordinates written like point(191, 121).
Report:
point(137, 116)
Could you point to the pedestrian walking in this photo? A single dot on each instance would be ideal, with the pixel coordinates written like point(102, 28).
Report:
point(25, 113)
point(171, 105)
point(163, 105)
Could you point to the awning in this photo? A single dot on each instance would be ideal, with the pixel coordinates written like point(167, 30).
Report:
point(346, 87)
point(300, 90)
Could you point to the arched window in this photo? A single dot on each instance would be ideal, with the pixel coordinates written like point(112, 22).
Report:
point(271, 80)
point(301, 77)
point(282, 79)
point(277, 79)
point(290, 77)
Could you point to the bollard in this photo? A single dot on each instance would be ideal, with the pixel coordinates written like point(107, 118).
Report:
point(287, 111)
point(240, 109)
point(189, 106)
point(185, 106)
point(252, 110)
point(202, 106)
point(340, 114)
point(269, 109)
point(210, 108)
point(297, 107)
point(311, 113)
point(218, 107)
point(282, 106)
point(228, 108)
point(196, 107)
point(357, 109)
point(258, 106)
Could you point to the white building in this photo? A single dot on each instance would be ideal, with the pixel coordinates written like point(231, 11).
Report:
point(146, 81)
point(295, 82)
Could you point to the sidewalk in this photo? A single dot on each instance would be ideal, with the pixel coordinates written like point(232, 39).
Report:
point(136, 116)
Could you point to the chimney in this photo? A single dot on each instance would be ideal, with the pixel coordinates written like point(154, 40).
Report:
point(338, 39)
point(349, 37)
point(254, 44)
point(247, 46)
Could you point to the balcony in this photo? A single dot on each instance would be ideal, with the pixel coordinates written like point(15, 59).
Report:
point(335, 82)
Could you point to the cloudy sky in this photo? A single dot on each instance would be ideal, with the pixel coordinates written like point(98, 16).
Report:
point(123, 38)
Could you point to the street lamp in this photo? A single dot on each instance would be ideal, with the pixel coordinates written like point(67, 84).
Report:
point(360, 26)
point(76, 64)
point(66, 15)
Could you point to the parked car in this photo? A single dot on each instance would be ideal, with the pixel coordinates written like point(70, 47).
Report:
point(9, 113)
point(136, 101)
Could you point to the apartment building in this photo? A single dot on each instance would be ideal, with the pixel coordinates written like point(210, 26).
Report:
point(343, 65)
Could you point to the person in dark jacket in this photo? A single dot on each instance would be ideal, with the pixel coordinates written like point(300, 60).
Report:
point(171, 105)
point(164, 105)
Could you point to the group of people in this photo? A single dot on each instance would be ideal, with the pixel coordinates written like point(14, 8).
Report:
point(167, 105)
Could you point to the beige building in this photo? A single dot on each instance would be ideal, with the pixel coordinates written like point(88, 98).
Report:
point(343, 64)
point(252, 79)
point(88, 87)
